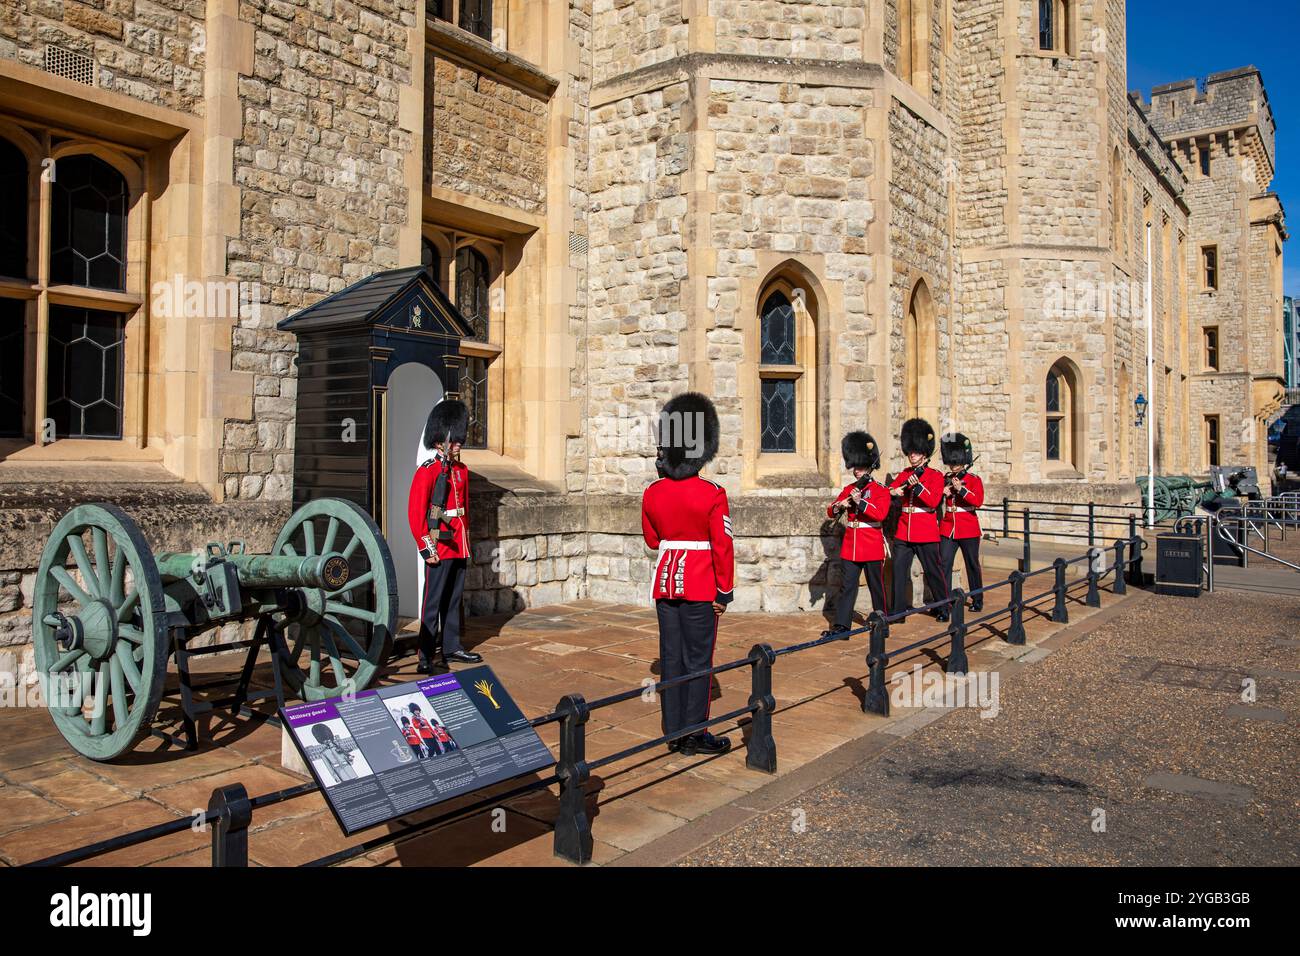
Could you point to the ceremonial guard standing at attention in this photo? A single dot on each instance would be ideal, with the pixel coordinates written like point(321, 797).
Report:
point(959, 528)
point(685, 518)
point(864, 504)
point(920, 490)
point(438, 513)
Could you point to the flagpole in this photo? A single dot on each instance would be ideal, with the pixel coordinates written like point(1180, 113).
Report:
point(1151, 395)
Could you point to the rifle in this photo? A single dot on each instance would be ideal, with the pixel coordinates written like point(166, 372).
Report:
point(861, 506)
point(961, 472)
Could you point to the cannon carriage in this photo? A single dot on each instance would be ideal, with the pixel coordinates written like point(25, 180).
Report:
point(108, 614)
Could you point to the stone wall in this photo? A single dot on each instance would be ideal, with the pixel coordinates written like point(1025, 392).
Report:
point(919, 240)
point(579, 130)
point(815, 29)
point(484, 138)
point(319, 162)
point(152, 50)
point(640, 155)
point(630, 34)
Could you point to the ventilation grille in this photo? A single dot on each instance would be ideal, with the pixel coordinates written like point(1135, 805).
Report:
point(70, 65)
point(577, 244)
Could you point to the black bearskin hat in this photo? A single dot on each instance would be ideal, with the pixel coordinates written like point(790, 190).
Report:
point(322, 733)
point(688, 435)
point(860, 451)
point(955, 448)
point(917, 436)
point(448, 416)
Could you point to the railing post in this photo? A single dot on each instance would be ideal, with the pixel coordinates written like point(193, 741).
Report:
point(760, 749)
point(230, 828)
point(1024, 561)
point(1094, 596)
point(1092, 523)
point(1006, 517)
point(1016, 631)
point(876, 700)
point(572, 826)
point(1135, 561)
point(1121, 569)
point(1060, 614)
point(957, 663)
point(1243, 539)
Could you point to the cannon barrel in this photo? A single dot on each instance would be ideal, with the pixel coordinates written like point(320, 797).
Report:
point(330, 571)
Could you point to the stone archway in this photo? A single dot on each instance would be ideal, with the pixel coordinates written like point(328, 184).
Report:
point(920, 355)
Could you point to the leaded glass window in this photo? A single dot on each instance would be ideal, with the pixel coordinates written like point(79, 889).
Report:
point(472, 291)
point(13, 355)
point(778, 415)
point(1046, 26)
point(1053, 392)
point(776, 332)
point(476, 17)
point(13, 202)
point(84, 392)
point(474, 392)
point(88, 224)
point(1054, 439)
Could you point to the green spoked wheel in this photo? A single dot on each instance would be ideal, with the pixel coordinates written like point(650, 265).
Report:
point(336, 639)
point(99, 626)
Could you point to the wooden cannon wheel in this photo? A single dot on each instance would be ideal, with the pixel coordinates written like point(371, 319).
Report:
point(99, 627)
point(336, 641)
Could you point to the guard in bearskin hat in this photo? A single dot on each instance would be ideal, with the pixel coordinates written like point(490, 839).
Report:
point(959, 528)
point(863, 504)
point(919, 489)
point(438, 513)
point(685, 518)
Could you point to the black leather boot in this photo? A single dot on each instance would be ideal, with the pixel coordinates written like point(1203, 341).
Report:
point(704, 743)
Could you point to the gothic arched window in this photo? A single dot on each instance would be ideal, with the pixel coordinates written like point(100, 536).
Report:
point(779, 375)
point(473, 280)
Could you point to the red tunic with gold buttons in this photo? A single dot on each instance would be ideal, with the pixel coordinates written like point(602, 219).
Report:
point(918, 523)
point(688, 522)
point(960, 520)
point(417, 510)
point(864, 539)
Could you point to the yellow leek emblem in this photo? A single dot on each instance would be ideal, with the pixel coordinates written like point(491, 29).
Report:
point(484, 688)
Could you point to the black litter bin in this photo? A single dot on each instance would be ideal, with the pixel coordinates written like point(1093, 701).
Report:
point(1179, 569)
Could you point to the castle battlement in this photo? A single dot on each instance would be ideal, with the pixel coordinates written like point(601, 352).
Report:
point(1231, 101)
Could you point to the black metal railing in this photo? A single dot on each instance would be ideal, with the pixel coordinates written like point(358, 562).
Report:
point(230, 809)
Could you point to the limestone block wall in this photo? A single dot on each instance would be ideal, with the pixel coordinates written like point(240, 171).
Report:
point(919, 244)
point(640, 156)
point(1059, 128)
point(319, 161)
point(934, 29)
point(578, 132)
point(484, 138)
point(1229, 99)
point(152, 50)
point(981, 329)
point(816, 29)
point(630, 34)
point(791, 181)
point(981, 187)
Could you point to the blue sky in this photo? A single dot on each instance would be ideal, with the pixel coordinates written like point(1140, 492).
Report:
point(1173, 41)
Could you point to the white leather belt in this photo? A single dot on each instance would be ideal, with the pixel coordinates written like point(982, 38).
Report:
point(917, 511)
point(969, 511)
point(453, 513)
point(863, 524)
point(683, 546)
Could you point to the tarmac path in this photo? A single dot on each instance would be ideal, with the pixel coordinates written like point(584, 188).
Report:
point(1133, 744)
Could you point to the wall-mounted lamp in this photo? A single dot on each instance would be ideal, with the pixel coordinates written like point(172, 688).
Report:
point(1140, 410)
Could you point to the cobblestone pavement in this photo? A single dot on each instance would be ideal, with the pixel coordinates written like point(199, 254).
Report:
point(1142, 720)
point(52, 800)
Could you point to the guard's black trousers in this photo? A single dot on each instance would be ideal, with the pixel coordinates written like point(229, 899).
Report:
point(444, 583)
point(851, 571)
point(928, 552)
point(970, 552)
point(687, 633)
